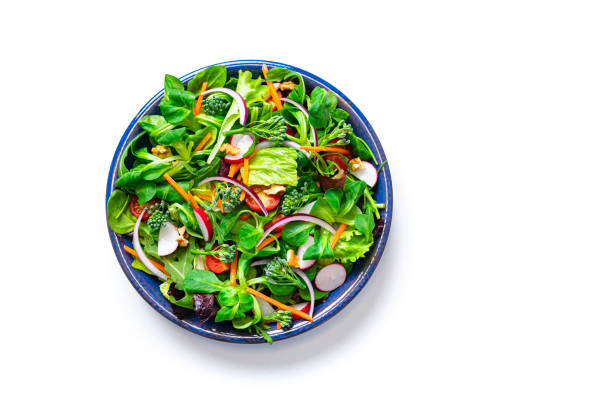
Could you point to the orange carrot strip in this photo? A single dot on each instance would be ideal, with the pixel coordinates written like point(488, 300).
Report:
point(242, 195)
point(336, 237)
point(233, 270)
point(234, 169)
point(273, 93)
point(203, 142)
point(268, 240)
point(278, 326)
point(279, 304)
point(326, 149)
point(239, 176)
point(135, 255)
point(246, 171)
point(198, 104)
point(178, 188)
point(192, 201)
point(205, 197)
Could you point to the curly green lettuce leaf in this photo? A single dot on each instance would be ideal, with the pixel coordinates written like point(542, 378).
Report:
point(351, 246)
point(274, 165)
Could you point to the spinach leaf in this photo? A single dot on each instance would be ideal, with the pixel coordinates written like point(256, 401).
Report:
point(322, 103)
point(172, 82)
point(339, 114)
point(118, 214)
point(168, 193)
point(352, 191)
point(145, 190)
point(364, 223)
point(323, 210)
point(333, 196)
point(298, 93)
point(215, 76)
point(277, 74)
point(296, 233)
point(248, 236)
point(200, 281)
point(360, 148)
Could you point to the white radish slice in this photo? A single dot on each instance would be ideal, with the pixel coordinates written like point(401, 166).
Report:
point(242, 108)
point(305, 263)
point(302, 307)
point(204, 223)
point(141, 255)
point(242, 142)
point(168, 235)
point(310, 289)
point(266, 308)
point(307, 208)
point(367, 173)
point(330, 277)
point(296, 146)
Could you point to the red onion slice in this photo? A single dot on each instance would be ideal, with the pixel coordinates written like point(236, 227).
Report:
point(305, 112)
point(238, 184)
point(262, 261)
point(242, 108)
point(310, 289)
point(296, 217)
point(141, 255)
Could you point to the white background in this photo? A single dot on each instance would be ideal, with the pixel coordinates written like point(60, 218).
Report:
point(495, 287)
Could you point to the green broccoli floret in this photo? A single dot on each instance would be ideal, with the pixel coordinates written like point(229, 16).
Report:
point(216, 106)
point(278, 272)
point(224, 252)
point(273, 129)
point(298, 197)
point(340, 132)
point(283, 317)
point(229, 196)
point(157, 218)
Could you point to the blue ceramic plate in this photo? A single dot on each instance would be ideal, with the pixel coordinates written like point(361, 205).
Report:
point(148, 286)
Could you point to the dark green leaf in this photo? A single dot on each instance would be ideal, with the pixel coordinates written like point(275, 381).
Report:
point(228, 296)
point(179, 264)
point(118, 214)
point(296, 233)
point(225, 313)
point(277, 74)
point(200, 281)
point(322, 103)
point(168, 193)
point(248, 236)
point(339, 114)
point(334, 197)
point(172, 82)
point(215, 77)
point(321, 247)
point(323, 210)
point(145, 190)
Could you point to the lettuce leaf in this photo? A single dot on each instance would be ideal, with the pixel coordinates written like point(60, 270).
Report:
point(352, 245)
point(274, 165)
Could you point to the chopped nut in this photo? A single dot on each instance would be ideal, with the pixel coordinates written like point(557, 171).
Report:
point(286, 86)
point(161, 151)
point(356, 164)
point(229, 149)
point(293, 260)
point(274, 189)
point(182, 238)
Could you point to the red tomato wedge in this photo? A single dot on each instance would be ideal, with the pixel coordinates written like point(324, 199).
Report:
point(136, 208)
point(215, 265)
point(270, 201)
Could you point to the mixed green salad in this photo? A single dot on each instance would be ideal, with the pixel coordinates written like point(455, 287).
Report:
point(249, 197)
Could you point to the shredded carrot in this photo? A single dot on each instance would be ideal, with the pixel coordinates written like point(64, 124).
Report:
point(246, 171)
point(336, 237)
point(233, 270)
point(135, 255)
point(242, 195)
point(326, 149)
point(234, 169)
point(239, 176)
point(269, 240)
point(293, 259)
point(279, 304)
point(244, 216)
point(273, 93)
point(198, 104)
point(278, 326)
point(205, 197)
point(203, 142)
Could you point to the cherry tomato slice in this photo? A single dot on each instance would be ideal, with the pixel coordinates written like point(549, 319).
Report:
point(270, 201)
point(136, 208)
point(338, 159)
point(272, 221)
point(215, 265)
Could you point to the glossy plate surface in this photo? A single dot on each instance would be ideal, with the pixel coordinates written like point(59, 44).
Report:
point(148, 286)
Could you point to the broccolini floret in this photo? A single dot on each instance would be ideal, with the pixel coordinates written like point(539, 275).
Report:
point(224, 252)
point(283, 317)
point(229, 196)
point(297, 198)
point(274, 129)
point(157, 218)
point(278, 272)
point(216, 106)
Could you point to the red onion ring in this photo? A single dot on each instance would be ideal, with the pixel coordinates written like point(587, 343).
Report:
point(237, 183)
point(310, 289)
point(296, 217)
point(141, 255)
point(242, 108)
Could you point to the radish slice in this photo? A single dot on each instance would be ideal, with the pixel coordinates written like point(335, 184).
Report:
point(238, 184)
point(367, 173)
point(310, 289)
point(168, 235)
point(242, 142)
point(307, 208)
point(305, 112)
point(302, 307)
point(204, 223)
point(263, 261)
point(302, 263)
point(296, 217)
point(263, 145)
point(330, 277)
point(266, 308)
point(141, 255)
point(242, 108)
